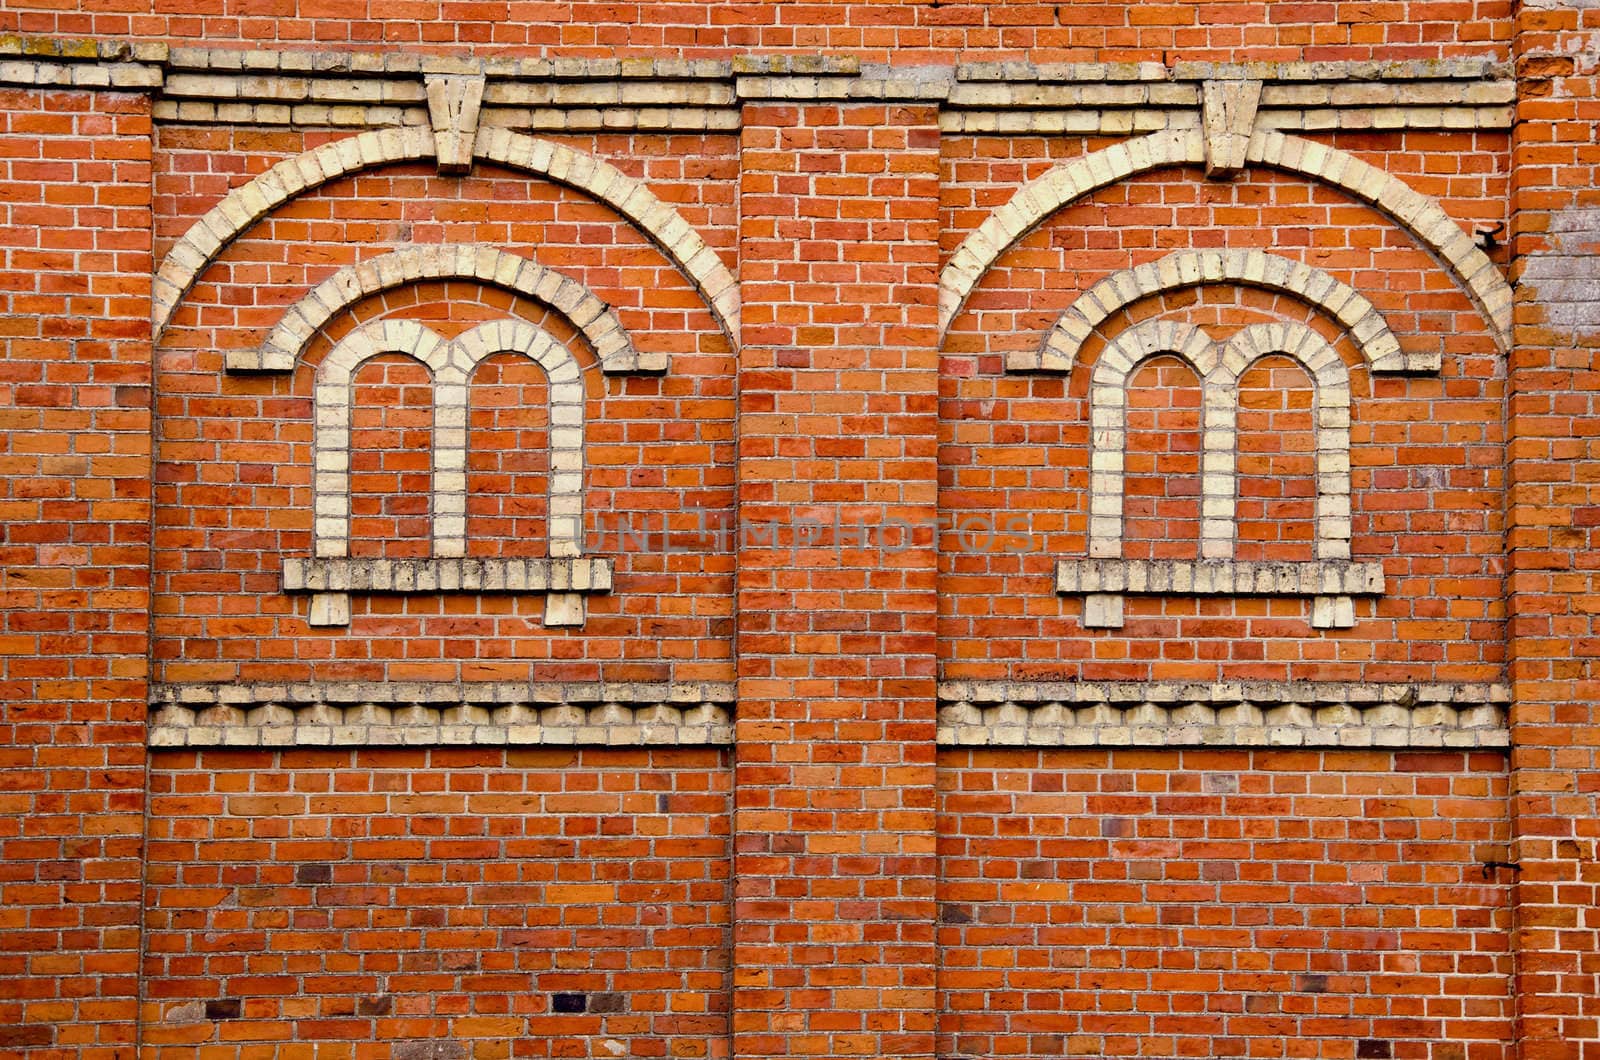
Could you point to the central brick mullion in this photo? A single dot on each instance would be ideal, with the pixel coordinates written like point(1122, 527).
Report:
point(834, 830)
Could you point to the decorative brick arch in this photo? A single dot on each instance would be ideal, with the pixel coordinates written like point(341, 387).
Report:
point(658, 220)
point(331, 408)
point(597, 323)
point(566, 431)
point(1418, 214)
point(1252, 268)
point(248, 203)
point(245, 205)
point(1105, 576)
point(330, 573)
point(1108, 403)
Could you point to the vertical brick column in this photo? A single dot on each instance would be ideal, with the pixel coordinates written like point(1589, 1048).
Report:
point(834, 825)
point(74, 566)
point(1554, 529)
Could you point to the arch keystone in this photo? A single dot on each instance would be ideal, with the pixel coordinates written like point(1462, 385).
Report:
point(1228, 115)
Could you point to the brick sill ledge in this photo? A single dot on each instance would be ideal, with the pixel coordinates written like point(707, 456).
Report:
point(1329, 583)
point(331, 580)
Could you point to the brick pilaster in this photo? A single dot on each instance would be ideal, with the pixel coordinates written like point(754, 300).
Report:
point(74, 592)
point(834, 825)
point(1554, 530)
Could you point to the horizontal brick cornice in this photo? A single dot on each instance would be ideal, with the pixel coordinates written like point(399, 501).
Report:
point(412, 714)
point(1225, 714)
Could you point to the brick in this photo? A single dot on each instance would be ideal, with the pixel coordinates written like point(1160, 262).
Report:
point(832, 696)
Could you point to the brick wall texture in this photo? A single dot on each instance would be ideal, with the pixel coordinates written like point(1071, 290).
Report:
point(849, 530)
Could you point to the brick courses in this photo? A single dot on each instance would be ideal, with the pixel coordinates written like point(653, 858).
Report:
point(845, 530)
point(76, 592)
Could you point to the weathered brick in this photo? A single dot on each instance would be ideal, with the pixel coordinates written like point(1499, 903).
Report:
point(851, 779)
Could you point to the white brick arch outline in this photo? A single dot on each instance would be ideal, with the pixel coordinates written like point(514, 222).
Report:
point(1108, 403)
point(248, 203)
point(1311, 351)
point(1219, 372)
point(1251, 268)
point(331, 407)
point(1418, 214)
point(245, 205)
point(451, 396)
point(451, 365)
point(579, 305)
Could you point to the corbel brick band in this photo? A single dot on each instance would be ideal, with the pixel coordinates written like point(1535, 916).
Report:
point(1229, 714)
point(416, 714)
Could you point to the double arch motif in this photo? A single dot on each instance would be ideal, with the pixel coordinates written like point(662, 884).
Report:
point(488, 265)
point(1219, 369)
point(1416, 213)
point(631, 198)
point(1104, 576)
point(1253, 268)
point(330, 573)
point(452, 364)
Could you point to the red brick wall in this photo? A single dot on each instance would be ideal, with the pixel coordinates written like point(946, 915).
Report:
point(879, 32)
point(831, 885)
point(1551, 542)
point(74, 600)
point(1427, 454)
point(1223, 903)
point(438, 904)
point(834, 766)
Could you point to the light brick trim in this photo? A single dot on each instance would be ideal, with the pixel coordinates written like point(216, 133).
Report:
point(1310, 350)
point(414, 714)
point(1108, 399)
point(658, 220)
point(1105, 576)
point(1362, 72)
point(1258, 714)
point(248, 203)
point(566, 400)
point(1418, 214)
point(1136, 120)
point(102, 75)
point(1228, 116)
point(400, 63)
point(332, 576)
point(450, 574)
point(451, 364)
point(1219, 577)
point(924, 84)
point(454, 102)
point(580, 306)
point(1251, 268)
